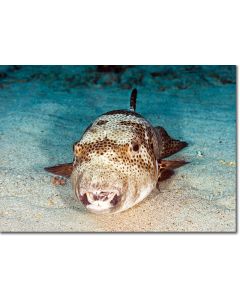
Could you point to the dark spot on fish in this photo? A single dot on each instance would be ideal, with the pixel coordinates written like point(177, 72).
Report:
point(102, 122)
point(135, 147)
point(92, 129)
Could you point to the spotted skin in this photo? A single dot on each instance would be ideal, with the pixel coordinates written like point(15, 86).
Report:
point(120, 137)
point(121, 143)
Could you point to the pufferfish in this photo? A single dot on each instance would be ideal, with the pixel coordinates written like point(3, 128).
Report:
point(118, 161)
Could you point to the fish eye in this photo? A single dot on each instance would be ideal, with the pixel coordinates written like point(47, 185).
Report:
point(135, 147)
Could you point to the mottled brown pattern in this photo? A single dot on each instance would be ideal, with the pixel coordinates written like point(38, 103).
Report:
point(122, 138)
point(116, 153)
point(140, 129)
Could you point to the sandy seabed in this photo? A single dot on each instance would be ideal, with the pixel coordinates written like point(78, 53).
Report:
point(41, 119)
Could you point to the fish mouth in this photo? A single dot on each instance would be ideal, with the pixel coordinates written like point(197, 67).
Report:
point(99, 201)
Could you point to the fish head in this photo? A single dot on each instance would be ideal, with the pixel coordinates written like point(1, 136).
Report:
point(114, 166)
point(99, 188)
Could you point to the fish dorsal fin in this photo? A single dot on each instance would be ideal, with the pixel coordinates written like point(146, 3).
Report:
point(167, 145)
point(133, 100)
point(61, 170)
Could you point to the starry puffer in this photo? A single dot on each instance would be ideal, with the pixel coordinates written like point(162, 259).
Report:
point(118, 160)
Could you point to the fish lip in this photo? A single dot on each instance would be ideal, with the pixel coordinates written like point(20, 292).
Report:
point(115, 204)
point(84, 199)
point(116, 201)
point(99, 201)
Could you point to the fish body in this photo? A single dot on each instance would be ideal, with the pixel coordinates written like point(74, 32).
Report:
point(118, 160)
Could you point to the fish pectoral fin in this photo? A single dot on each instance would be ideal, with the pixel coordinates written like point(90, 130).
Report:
point(64, 170)
point(171, 164)
point(164, 175)
point(168, 145)
point(166, 168)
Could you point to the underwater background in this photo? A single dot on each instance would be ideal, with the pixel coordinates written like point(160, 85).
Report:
point(45, 109)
